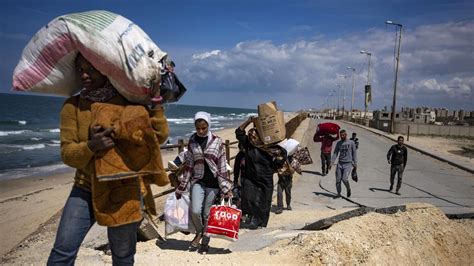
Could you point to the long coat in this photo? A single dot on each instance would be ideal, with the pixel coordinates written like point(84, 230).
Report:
point(115, 202)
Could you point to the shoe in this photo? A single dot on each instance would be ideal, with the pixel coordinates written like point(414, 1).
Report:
point(195, 243)
point(391, 188)
point(279, 211)
point(323, 174)
point(338, 195)
point(252, 226)
point(204, 249)
point(348, 193)
point(289, 208)
point(398, 192)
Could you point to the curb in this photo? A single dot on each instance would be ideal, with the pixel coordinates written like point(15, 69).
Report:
point(414, 148)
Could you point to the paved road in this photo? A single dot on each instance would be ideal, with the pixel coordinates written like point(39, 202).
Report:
point(425, 179)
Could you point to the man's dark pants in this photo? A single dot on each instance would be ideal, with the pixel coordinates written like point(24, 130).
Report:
point(325, 162)
point(396, 169)
point(285, 186)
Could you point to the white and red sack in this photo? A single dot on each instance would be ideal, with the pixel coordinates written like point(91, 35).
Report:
point(224, 221)
point(117, 47)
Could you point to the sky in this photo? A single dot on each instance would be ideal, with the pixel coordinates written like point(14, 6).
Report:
point(243, 53)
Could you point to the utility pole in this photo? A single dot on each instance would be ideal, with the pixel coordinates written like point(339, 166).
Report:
point(392, 118)
point(366, 100)
point(353, 84)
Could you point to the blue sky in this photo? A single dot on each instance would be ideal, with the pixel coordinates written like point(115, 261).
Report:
point(242, 53)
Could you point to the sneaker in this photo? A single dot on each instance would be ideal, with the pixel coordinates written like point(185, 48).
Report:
point(279, 211)
point(348, 193)
point(289, 208)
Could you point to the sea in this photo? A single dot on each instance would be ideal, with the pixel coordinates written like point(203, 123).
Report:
point(29, 131)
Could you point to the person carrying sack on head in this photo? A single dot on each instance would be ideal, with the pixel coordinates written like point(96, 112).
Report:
point(118, 203)
point(326, 149)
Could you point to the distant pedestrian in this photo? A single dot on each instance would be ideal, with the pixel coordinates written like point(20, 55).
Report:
point(326, 149)
point(355, 139)
point(285, 183)
point(347, 152)
point(397, 157)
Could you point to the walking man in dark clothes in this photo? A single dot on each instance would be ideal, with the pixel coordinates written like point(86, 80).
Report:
point(397, 157)
point(326, 149)
point(347, 152)
point(355, 139)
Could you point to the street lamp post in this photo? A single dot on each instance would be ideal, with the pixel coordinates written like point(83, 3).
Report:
point(366, 103)
point(353, 84)
point(392, 117)
point(338, 95)
point(343, 95)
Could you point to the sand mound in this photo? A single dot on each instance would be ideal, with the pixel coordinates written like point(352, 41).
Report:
point(422, 235)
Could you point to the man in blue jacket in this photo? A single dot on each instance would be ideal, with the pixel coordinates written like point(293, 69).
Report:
point(347, 152)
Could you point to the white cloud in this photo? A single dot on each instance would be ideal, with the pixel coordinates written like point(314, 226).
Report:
point(205, 55)
point(435, 59)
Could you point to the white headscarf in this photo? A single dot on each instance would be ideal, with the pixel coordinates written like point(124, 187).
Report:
point(206, 117)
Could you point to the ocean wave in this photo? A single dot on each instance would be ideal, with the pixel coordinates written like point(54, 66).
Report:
point(180, 121)
point(56, 130)
point(14, 132)
point(10, 148)
point(32, 171)
point(33, 147)
point(12, 122)
point(53, 144)
point(35, 139)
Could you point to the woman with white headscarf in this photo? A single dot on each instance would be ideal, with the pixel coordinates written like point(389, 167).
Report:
point(206, 170)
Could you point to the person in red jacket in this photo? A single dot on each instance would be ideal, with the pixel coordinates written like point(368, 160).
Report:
point(326, 149)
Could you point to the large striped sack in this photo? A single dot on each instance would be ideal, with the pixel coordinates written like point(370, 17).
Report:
point(117, 47)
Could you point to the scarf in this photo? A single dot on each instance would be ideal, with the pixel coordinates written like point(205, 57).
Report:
point(100, 94)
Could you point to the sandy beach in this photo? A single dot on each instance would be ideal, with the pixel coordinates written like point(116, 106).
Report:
point(31, 210)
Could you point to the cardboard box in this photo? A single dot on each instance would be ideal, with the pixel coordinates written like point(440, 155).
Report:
point(270, 123)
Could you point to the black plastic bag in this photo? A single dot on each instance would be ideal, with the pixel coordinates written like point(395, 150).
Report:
point(354, 175)
point(171, 89)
